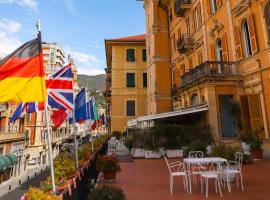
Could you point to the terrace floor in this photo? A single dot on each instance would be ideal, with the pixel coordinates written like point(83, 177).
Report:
point(149, 180)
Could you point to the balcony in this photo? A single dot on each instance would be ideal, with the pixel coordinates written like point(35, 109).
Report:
point(181, 6)
point(217, 70)
point(6, 137)
point(185, 43)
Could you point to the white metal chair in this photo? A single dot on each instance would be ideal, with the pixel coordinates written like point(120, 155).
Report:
point(177, 169)
point(195, 154)
point(234, 168)
point(211, 171)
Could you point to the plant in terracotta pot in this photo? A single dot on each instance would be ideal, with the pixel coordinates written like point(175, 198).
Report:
point(109, 165)
point(255, 140)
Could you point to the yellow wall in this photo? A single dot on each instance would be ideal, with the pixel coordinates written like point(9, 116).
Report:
point(254, 70)
point(120, 93)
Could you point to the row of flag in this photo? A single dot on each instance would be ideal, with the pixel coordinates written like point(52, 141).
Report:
point(22, 79)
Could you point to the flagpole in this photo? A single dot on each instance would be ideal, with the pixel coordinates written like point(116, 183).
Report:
point(47, 116)
point(74, 125)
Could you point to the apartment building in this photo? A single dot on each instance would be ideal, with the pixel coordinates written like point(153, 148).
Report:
point(126, 80)
point(216, 52)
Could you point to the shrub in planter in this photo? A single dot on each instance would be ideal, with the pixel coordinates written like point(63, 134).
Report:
point(106, 193)
point(247, 159)
point(38, 194)
point(255, 141)
point(129, 142)
point(117, 134)
point(224, 151)
point(109, 165)
point(196, 145)
point(63, 167)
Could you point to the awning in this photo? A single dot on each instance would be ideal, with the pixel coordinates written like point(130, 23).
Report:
point(186, 111)
point(13, 158)
point(4, 162)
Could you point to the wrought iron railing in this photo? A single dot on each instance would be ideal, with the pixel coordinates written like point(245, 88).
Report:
point(180, 6)
point(214, 69)
point(185, 42)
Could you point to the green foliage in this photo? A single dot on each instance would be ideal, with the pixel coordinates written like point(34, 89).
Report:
point(108, 164)
point(247, 159)
point(38, 194)
point(117, 134)
point(196, 145)
point(106, 193)
point(255, 139)
point(175, 136)
point(63, 166)
point(224, 151)
point(129, 142)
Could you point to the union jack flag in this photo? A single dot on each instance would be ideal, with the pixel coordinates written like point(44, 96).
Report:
point(60, 89)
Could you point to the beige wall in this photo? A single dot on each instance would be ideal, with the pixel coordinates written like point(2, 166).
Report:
point(120, 93)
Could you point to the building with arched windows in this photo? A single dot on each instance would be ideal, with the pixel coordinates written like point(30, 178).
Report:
point(217, 53)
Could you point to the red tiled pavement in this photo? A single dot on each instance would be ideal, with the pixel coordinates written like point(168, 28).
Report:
point(149, 180)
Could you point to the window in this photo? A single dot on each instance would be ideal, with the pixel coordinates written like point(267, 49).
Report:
point(246, 37)
point(219, 50)
point(144, 80)
point(144, 57)
point(214, 7)
point(267, 19)
point(130, 108)
point(130, 79)
point(194, 100)
point(130, 55)
point(196, 19)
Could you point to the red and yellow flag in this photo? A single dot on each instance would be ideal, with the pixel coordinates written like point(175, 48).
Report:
point(22, 74)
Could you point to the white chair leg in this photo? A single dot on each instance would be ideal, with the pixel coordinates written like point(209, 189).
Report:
point(216, 186)
point(201, 185)
point(186, 183)
point(219, 187)
point(206, 189)
point(241, 177)
point(171, 179)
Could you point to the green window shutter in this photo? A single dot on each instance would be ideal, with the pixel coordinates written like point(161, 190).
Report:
point(130, 108)
point(130, 55)
point(144, 80)
point(144, 56)
point(130, 79)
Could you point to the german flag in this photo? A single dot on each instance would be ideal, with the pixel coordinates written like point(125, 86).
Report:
point(22, 74)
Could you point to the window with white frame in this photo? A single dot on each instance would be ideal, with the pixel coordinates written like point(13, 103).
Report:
point(246, 39)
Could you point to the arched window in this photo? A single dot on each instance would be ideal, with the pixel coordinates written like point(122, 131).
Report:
point(246, 37)
point(219, 50)
point(267, 19)
point(194, 100)
point(214, 6)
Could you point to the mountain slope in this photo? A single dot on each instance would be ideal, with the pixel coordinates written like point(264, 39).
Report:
point(95, 82)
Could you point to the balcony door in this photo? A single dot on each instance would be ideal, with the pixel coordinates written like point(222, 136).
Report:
point(227, 124)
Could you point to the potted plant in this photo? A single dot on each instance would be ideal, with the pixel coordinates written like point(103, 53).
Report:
point(151, 149)
point(106, 193)
point(109, 165)
point(255, 141)
point(38, 194)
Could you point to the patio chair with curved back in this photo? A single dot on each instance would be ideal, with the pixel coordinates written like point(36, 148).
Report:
point(234, 168)
point(177, 169)
point(195, 154)
point(211, 171)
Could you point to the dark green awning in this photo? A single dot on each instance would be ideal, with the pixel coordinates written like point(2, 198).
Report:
point(4, 162)
point(13, 158)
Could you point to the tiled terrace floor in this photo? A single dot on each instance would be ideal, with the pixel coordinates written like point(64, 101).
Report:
point(149, 180)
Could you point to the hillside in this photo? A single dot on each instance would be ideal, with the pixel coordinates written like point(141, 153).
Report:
point(96, 82)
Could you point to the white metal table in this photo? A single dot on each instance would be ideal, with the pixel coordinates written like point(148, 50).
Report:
point(201, 161)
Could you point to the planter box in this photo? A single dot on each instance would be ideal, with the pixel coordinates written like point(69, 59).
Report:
point(151, 154)
point(137, 152)
point(174, 153)
point(246, 148)
point(256, 154)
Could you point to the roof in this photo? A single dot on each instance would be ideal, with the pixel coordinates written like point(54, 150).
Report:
point(196, 109)
point(134, 38)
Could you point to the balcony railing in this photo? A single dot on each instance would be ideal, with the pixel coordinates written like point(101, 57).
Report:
point(185, 42)
point(210, 69)
point(181, 6)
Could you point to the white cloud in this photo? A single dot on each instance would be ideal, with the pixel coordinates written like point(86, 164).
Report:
point(9, 39)
point(86, 63)
point(31, 4)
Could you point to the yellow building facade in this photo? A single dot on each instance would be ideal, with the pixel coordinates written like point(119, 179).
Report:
point(126, 82)
point(218, 52)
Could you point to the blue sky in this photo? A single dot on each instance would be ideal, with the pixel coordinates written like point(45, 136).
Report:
point(79, 26)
